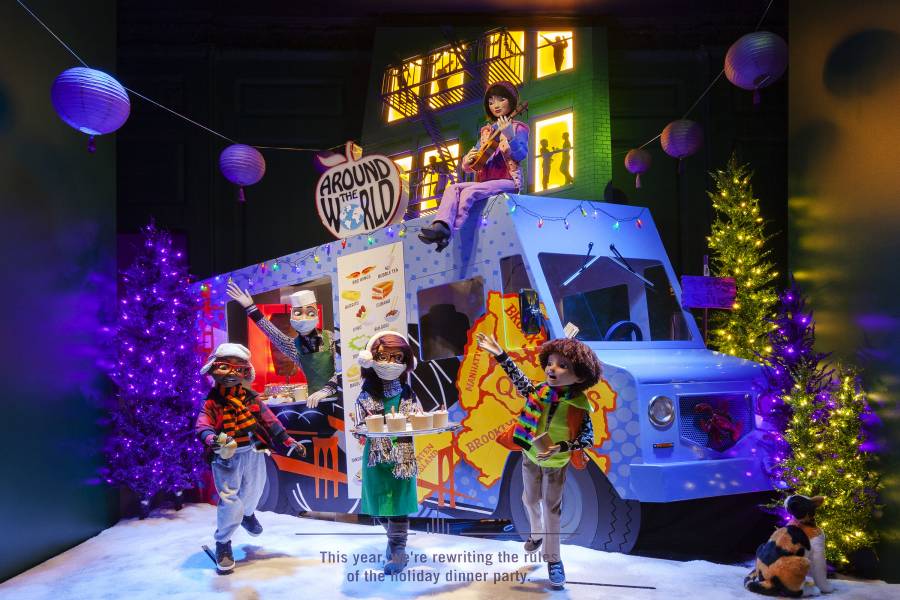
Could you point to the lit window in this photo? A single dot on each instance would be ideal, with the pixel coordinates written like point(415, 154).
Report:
point(435, 174)
point(554, 52)
point(554, 154)
point(404, 164)
point(402, 87)
point(507, 53)
point(446, 78)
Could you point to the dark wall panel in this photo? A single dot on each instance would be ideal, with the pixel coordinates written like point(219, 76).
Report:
point(58, 272)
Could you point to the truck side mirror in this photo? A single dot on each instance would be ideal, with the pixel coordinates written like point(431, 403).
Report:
point(530, 310)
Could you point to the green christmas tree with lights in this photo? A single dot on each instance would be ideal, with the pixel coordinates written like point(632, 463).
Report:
point(830, 458)
point(737, 244)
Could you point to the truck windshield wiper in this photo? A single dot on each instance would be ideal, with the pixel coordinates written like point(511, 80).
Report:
point(620, 261)
point(588, 261)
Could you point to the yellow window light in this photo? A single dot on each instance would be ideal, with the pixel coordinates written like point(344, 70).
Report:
point(555, 50)
point(554, 154)
point(402, 84)
point(447, 77)
point(433, 176)
point(507, 54)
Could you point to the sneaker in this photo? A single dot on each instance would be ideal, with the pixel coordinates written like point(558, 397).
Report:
point(224, 557)
point(557, 575)
point(251, 524)
point(532, 544)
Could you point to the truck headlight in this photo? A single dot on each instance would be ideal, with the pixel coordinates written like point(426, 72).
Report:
point(661, 411)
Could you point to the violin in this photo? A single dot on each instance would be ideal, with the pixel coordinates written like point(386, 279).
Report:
point(487, 149)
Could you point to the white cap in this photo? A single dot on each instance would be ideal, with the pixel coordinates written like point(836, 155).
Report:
point(302, 298)
point(229, 349)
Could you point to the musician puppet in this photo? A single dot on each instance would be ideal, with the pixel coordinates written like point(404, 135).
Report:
point(495, 159)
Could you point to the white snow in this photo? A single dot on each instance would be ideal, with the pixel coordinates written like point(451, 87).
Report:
point(161, 557)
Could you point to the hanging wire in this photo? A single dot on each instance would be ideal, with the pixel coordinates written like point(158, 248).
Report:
point(162, 106)
point(706, 91)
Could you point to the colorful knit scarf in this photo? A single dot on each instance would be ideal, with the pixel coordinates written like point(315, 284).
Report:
point(527, 427)
point(236, 417)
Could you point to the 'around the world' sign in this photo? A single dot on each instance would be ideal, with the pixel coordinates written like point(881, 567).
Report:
point(358, 195)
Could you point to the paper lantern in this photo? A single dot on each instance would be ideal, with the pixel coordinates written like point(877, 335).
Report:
point(242, 165)
point(637, 161)
point(90, 101)
point(681, 138)
point(755, 61)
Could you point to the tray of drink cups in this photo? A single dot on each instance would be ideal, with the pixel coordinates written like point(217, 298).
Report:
point(391, 425)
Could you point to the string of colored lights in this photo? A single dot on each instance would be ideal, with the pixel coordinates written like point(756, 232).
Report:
point(400, 230)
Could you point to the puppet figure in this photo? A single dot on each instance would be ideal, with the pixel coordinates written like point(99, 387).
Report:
point(501, 172)
point(791, 553)
point(237, 430)
point(558, 408)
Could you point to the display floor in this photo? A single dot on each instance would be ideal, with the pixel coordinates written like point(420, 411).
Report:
point(161, 557)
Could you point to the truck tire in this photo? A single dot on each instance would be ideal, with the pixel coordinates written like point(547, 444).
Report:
point(593, 515)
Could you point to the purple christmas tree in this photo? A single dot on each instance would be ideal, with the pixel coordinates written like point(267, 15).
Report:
point(791, 361)
point(152, 448)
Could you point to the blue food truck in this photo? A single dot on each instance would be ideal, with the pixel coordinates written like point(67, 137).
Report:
point(673, 420)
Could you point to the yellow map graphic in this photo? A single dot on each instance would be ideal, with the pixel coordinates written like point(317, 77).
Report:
point(490, 399)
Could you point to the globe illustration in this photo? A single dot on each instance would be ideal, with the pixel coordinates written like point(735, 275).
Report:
point(351, 216)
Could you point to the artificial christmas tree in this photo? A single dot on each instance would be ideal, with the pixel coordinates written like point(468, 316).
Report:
point(152, 446)
point(737, 245)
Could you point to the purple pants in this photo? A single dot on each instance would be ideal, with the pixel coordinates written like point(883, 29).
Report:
point(458, 198)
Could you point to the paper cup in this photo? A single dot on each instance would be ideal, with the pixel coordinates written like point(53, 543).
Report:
point(439, 419)
point(423, 421)
point(375, 423)
point(396, 423)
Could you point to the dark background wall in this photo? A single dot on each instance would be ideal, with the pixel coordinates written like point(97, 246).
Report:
point(59, 205)
point(844, 210)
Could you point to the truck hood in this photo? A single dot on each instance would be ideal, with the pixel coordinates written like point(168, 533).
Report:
point(688, 365)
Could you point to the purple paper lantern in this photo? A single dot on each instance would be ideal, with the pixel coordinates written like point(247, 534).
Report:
point(681, 138)
point(242, 165)
point(90, 101)
point(755, 61)
point(638, 161)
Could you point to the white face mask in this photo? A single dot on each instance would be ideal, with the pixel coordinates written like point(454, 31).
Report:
point(304, 326)
point(389, 370)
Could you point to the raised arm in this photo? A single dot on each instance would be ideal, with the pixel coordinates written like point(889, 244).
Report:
point(515, 374)
point(282, 341)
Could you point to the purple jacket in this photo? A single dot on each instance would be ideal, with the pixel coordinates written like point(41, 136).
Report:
point(505, 166)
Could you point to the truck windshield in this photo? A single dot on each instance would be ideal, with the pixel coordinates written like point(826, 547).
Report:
point(608, 303)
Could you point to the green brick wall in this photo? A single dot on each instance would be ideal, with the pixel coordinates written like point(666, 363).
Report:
point(583, 89)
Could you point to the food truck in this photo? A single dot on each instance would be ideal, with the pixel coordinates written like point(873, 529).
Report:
point(673, 420)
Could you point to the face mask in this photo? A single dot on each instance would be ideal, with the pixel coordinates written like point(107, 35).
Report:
point(388, 370)
point(304, 326)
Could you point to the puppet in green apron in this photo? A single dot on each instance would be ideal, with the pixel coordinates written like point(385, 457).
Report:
point(389, 466)
point(312, 350)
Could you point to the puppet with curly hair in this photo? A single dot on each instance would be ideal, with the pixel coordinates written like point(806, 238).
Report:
point(556, 408)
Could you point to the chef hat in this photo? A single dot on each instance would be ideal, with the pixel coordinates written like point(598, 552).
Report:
point(229, 349)
point(366, 359)
point(302, 298)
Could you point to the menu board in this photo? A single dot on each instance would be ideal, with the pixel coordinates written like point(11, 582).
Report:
point(372, 298)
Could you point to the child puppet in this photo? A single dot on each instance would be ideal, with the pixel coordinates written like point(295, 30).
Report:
point(500, 174)
point(389, 464)
point(237, 429)
point(791, 553)
point(559, 408)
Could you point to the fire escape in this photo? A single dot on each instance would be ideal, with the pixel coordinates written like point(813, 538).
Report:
point(453, 75)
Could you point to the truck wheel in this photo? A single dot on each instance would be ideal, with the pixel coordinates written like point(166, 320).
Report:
point(593, 515)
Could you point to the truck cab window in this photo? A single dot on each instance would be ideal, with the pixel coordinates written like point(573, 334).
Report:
point(609, 303)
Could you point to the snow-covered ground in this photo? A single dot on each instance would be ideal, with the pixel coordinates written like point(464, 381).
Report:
point(161, 557)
